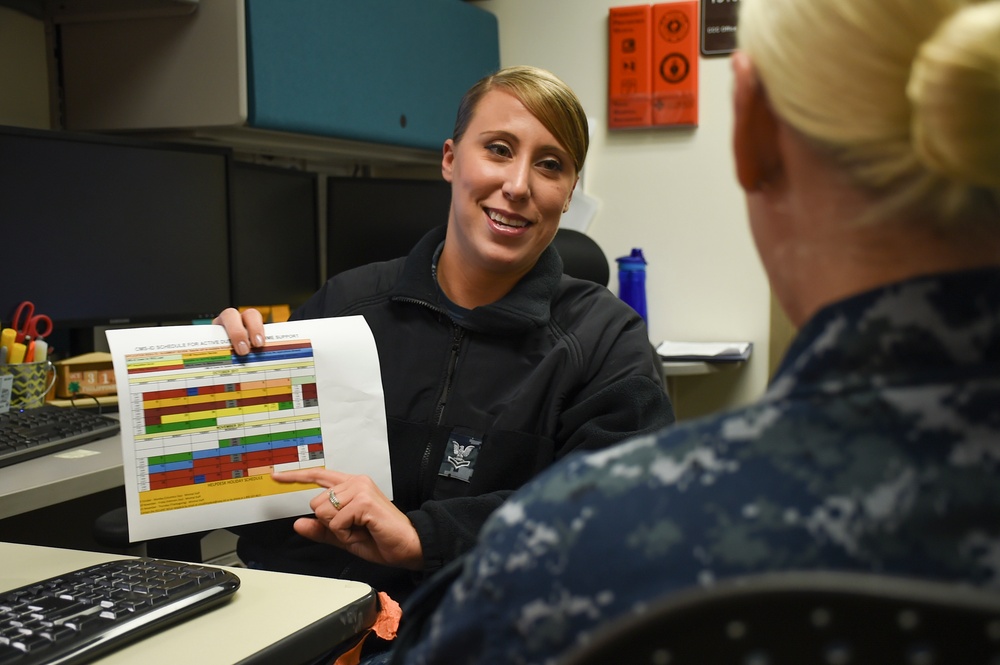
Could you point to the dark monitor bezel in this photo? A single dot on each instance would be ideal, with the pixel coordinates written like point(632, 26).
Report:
point(77, 280)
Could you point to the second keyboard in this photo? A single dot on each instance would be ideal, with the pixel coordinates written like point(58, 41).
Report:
point(48, 429)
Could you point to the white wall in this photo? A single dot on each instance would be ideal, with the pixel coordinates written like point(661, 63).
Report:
point(671, 192)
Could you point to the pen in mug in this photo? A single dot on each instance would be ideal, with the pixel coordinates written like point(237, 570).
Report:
point(41, 350)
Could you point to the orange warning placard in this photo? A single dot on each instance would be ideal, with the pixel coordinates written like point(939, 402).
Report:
point(629, 67)
point(675, 63)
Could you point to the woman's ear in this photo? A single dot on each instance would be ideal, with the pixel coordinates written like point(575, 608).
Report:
point(569, 199)
point(447, 159)
point(755, 129)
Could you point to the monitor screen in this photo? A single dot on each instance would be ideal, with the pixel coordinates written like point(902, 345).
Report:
point(377, 219)
point(101, 231)
point(275, 235)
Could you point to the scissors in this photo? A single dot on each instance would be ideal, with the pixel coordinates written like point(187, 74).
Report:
point(31, 326)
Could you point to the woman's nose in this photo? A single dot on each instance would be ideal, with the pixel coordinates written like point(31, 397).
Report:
point(516, 184)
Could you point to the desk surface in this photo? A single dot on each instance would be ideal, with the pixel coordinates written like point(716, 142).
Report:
point(70, 474)
point(273, 617)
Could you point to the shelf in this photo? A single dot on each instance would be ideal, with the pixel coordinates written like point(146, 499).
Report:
point(318, 150)
point(691, 368)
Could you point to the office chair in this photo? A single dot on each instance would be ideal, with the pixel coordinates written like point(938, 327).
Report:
point(111, 530)
point(582, 257)
point(807, 618)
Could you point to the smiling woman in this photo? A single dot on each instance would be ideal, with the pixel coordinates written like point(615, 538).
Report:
point(494, 363)
point(511, 182)
point(519, 143)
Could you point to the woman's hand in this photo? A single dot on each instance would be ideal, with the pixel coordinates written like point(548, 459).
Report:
point(353, 514)
point(245, 330)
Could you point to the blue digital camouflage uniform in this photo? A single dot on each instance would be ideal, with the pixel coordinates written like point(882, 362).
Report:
point(876, 448)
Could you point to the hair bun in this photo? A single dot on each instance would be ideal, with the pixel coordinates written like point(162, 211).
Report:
point(954, 89)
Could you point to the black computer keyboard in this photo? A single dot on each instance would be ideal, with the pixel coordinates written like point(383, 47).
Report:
point(76, 617)
point(48, 429)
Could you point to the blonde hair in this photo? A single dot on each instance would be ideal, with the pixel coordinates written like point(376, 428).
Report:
point(903, 94)
point(545, 96)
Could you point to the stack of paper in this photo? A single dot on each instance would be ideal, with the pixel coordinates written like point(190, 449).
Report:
point(704, 351)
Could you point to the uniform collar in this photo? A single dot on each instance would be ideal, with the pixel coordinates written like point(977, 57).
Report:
point(928, 325)
point(527, 306)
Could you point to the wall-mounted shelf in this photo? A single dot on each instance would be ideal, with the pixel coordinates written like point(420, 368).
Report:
point(684, 359)
point(695, 368)
point(319, 151)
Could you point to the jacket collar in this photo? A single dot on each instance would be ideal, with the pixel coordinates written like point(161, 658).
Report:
point(527, 306)
point(948, 320)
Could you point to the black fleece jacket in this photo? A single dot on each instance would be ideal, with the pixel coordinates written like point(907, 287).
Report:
point(478, 401)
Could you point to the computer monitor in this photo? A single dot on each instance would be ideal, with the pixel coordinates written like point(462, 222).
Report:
point(377, 219)
point(275, 235)
point(96, 230)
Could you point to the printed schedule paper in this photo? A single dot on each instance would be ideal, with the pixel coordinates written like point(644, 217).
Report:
point(202, 428)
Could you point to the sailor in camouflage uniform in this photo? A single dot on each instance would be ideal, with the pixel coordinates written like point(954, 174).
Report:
point(876, 448)
point(867, 141)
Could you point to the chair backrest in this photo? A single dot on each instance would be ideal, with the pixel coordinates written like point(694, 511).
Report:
point(582, 257)
point(805, 618)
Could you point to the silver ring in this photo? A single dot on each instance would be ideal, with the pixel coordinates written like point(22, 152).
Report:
point(333, 499)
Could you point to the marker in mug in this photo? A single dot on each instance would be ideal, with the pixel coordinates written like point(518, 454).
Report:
point(41, 350)
point(17, 353)
point(7, 339)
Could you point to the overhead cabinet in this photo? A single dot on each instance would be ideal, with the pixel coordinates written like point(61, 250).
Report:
point(388, 72)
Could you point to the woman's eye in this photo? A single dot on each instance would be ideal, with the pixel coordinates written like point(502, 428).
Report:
point(499, 149)
point(551, 164)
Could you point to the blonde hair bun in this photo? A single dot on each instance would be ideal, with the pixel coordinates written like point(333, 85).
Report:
point(954, 89)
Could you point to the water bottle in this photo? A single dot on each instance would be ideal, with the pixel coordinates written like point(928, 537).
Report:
point(632, 281)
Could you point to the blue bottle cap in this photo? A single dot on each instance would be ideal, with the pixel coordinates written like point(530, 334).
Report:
point(634, 261)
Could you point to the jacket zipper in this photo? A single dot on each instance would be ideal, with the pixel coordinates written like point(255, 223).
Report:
point(456, 342)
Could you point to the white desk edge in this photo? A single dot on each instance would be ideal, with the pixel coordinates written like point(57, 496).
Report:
point(267, 608)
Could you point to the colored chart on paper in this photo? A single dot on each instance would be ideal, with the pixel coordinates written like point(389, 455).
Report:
point(210, 426)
